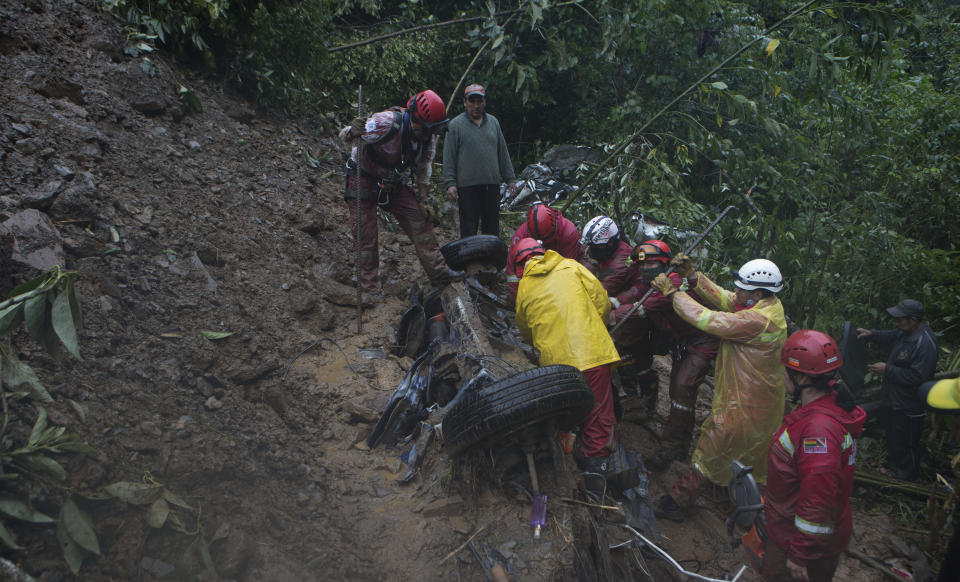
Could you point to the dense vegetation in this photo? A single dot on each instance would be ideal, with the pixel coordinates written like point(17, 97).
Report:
point(843, 114)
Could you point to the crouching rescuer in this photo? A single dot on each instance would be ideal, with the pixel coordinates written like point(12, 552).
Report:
point(394, 150)
point(562, 311)
point(810, 465)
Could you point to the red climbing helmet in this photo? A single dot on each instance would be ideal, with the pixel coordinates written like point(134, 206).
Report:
point(660, 252)
point(427, 107)
point(542, 222)
point(523, 250)
point(811, 352)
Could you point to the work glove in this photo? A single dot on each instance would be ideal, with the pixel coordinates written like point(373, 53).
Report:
point(358, 126)
point(682, 264)
point(664, 285)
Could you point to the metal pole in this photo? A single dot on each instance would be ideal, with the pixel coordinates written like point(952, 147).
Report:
point(688, 250)
point(356, 191)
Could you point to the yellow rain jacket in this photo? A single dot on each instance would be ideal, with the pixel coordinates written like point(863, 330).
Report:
point(749, 381)
point(562, 311)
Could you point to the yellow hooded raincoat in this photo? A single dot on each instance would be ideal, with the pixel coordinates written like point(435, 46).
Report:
point(749, 392)
point(564, 316)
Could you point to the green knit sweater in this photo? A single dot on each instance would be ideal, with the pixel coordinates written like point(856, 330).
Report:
point(475, 154)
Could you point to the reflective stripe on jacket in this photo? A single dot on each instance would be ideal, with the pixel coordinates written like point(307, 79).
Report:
point(810, 468)
point(748, 394)
point(562, 311)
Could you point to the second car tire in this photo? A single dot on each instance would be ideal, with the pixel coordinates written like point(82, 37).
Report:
point(503, 408)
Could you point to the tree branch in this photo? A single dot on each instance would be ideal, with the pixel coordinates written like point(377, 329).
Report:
point(629, 139)
point(419, 28)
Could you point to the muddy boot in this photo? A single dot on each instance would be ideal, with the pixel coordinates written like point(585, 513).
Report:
point(594, 476)
point(668, 508)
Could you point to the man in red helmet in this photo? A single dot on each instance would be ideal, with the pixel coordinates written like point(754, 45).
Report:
point(810, 465)
point(692, 350)
point(395, 149)
point(562, 311)
point(554, 232)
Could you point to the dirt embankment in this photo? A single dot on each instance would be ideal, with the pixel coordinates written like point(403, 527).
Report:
point(226, 220)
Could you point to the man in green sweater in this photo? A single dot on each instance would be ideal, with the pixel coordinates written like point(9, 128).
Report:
point(475, 163)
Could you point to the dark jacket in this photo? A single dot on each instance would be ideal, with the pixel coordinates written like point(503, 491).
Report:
point(912, 361)
point(810, 468)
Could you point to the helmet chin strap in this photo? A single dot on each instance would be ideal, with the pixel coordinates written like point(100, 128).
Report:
point(797, 387)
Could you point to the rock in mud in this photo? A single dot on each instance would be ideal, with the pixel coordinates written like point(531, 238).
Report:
point(42, 198)
point(36, 242)
point(358, 412)
point(213, 404)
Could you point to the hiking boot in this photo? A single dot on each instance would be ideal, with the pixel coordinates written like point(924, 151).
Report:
point(667, 508)
point(594, 476)
point(448, 276)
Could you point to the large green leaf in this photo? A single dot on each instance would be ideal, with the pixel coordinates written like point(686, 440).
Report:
point(36, 314)
point(79, 527)
point(70, 289)
point(63, 324)
point(19, 510)
point(136, 493)
point(8, 537)
point(39, 426)
point(15, 373)
point(10, 319)
point(40, 463)
point(157, 514)
point(72, 552)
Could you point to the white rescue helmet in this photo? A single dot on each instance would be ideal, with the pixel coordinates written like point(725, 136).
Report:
point(599, 231)
point(759, 274)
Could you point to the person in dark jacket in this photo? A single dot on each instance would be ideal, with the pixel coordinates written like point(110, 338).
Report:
point(810, 466)
point(912, 361)
point(475, 162)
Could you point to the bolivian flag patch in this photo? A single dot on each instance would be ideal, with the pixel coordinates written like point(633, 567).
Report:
point(817, 445)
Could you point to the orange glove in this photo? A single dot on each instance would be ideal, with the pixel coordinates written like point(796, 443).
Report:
point(664, 285)
point(682, 264)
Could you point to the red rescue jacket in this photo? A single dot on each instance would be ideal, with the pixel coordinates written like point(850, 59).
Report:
point(616, 273)
point(810, 468)
point(566, 243)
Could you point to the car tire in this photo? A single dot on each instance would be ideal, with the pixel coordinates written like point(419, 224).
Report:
point(480, 248)
point(494, 412)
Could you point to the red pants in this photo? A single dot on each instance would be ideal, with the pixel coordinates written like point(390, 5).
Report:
point(689, 370)
point(597, 435)
point(404, 207)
